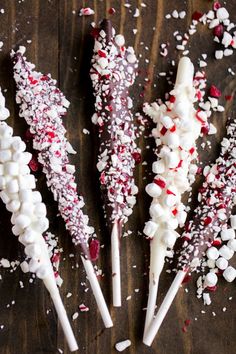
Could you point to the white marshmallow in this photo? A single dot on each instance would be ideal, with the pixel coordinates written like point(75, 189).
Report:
point(158, 167)
point(11, 168)
point(36, 197)
point(156, 210)
point(210, 279)
point(33, 250)
point(22, 157)
point(172, 139)
point(5, 143)
point(4, 113)
point(212, 253)
point(22, 221)
point(5, 197)
point(34, 265)
point(12, 186)
point(1, 169)
point(5, 130)
point(13, 206)
point(172, 159)
point(27, 208)
point(25, 195)
point(169, 238)
point(41, 225)
point(153, 190)
point(181, 217)
point(16, 230)
point(227, 234)
point(167, 122)
point(29, 236)
point(226, 252)
point(232, 244)
point(2, 182)
point(24, 267)
point(30, 181)
point(150, 228)
point(229, 274)
point(121, 346)
point(222, 14)
point(17, 144)
point(170, 200)
point(222, 263)
point(5, 155)
point(40, 210)
point(24, 170)
point(233, 221)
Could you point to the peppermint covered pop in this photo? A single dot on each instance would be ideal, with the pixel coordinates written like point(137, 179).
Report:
point(43, 105)
point(216, 200)
point(112, 73)
point(17, 191)
point(178, 126)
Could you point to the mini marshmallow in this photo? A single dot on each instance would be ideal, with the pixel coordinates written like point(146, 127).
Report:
point(11, 168)
point(232, 244)
point(167, 122)
point(156, 210)
point(233, 221)
point(5, 143)
point(169, 238)
point(36, 197)
point(222, 14)
point(2, 182)
point(30, 236)
point(33, 250)
point(17, 144)
point(227, 234)
point(172, 159)
point(210, 280)
point(41, 225)
point(212, 253)
point(25, 195)
point(22, 157)
point(222, 263)
point(12, 186)
point(5, 155)
point(226, 252)
point(24, 267)
point(22, 221)
point(24, 170)
point(170, 200)
point(153, 190)
point(150, 228)
point(120, 40)
point(30, 181)
point(172, 139)
point(16, 230)
point(27, 208)
point(13, 206)
point(5, 130)
point(34, 265)
point(5, 197)
point(120, 346)
point(229, 274)
point(40, 210)
point(158, 167)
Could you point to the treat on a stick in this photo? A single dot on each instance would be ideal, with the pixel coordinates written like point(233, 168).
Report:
point(178, 126)
point(216, 201)
point(43, 105)
point(112, 73)
point(17, 191)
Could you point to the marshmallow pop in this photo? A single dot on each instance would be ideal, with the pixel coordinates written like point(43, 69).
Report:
point(43, 105)
point(17, 191)
point(216, 200)
point(112, 73)
point(177, 128)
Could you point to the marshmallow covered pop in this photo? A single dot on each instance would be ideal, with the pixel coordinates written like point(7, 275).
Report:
point(43, 105)
point(17, 191)
point(113, 72)
point(216, 201)
point(178, 126)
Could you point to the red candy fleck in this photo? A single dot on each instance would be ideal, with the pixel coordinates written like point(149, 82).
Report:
point(196, 16)
point(205, 129)
point(191, 151)
point(216, 243)
point(218, 31)
point(187, 322)
point(102, 54)
point(216, 5)
point(32, 81)
point(174, 212)
point(173, 129)
point(94, 248)
point(33, 164)
point(172, 99)
point(207, 220)
point(214, 91)
point(168, 191)
point(160, 182)
point(137, 157)
point(212, 288)
point(163, 130)
point(111, 11)
point(184, 329)
point(228, 97)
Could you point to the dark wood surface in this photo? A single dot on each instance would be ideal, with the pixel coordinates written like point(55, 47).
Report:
point(62, 46)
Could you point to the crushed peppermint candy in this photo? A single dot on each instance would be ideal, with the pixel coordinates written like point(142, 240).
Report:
point(86, 11)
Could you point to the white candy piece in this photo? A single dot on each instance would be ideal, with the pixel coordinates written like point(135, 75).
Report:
point(169, 238)
point(158, 167)
point(226, 252)
point(227, 234)
point(210, 280)
point(222, 263)
point(222, 14)
point(150, 228)
point(229, 274)
point(233, 221)
point(123, 345)
point(232, 244)
point(156, 210)
point(153, 190)
point(212, 253)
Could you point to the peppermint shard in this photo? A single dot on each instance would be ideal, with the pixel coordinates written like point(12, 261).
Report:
point(43, 105)
point(113, 71)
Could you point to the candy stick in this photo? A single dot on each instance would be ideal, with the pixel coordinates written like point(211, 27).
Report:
point(42, 105)
point(17, 187)
point(177, 130)
point(217, 198)
point(113, 71)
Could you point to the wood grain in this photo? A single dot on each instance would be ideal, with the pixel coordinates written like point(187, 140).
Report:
point(61, 44)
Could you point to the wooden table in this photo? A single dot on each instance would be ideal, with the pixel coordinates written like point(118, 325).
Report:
point(58, 41)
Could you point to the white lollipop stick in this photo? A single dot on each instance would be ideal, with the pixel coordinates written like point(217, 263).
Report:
point(156, 323)
point(115, 257)
point(97, 292)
